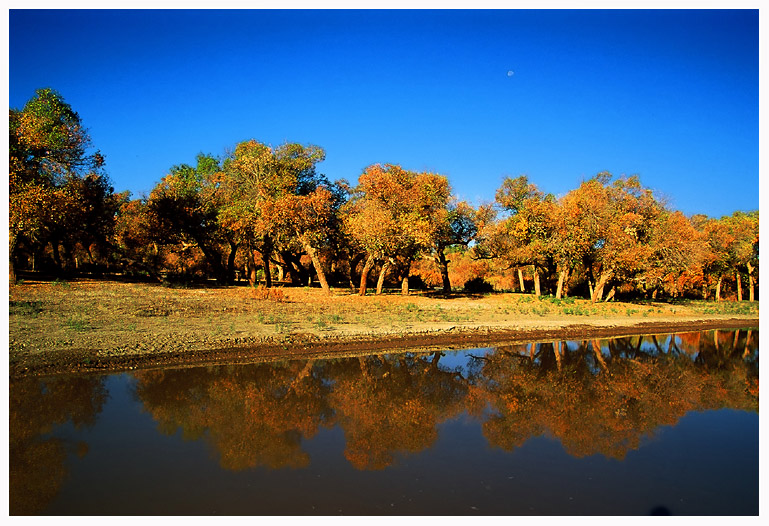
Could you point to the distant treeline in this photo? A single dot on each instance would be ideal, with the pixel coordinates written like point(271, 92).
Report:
point(265, 214)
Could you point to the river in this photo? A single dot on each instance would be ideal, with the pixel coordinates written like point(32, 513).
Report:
point(643, 425)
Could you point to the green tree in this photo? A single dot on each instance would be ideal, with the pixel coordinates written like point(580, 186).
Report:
point(187, 204)
point(459, 229)
point(48, 146)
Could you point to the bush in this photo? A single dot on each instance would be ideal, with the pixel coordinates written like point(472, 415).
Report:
point(478, 285)
point(269, 293)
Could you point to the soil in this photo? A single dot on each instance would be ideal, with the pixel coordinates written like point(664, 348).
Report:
point(90, 325)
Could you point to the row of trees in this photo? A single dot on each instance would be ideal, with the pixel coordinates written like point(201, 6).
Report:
point(263, 210)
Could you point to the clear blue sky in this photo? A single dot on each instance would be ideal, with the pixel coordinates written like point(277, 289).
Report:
point(672, 96)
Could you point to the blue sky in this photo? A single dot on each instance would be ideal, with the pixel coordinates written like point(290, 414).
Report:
point(672, 96)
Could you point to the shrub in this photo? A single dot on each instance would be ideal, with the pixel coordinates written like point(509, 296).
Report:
point(478, 285)
point(269, 293)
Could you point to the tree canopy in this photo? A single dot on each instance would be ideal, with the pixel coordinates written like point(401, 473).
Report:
point(267, 212)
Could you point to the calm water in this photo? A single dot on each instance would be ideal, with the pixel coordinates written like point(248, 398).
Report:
point(664, 424)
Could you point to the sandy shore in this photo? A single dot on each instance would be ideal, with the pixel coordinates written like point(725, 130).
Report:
point(90, 325)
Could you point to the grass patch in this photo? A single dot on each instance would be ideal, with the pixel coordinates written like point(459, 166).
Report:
point(77, 324)
point(25, 308)
point(729, 307)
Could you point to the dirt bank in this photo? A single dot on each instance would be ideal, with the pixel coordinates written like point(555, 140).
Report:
point(90, 325)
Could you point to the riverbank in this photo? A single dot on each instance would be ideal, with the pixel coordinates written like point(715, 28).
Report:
point(92, 325)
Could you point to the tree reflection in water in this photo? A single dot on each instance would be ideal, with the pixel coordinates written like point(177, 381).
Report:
point(604, 397)
point(596, 397)
point(389, 405)
point(36, 461)
point(253, 415)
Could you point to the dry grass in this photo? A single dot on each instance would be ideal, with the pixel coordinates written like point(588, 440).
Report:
point(113, 317)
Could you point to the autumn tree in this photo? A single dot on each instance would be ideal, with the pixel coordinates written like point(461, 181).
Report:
point(677, 249)
point(618, 218)
point(139, 239)
point(394, 214)
point(48, 146)
point(311, 219)
point(733, 248)
point(276, 193)
point(744, 250)
point(522, 236)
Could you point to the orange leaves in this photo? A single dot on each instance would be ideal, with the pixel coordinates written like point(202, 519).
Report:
point(396, 212)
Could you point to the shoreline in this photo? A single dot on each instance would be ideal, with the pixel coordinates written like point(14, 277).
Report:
point(310, 346)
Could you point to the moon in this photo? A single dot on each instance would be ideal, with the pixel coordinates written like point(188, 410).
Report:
point(510, 73)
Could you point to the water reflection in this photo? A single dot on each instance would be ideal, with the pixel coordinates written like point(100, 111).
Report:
point(37, 460)
point(251, 415)
point(596, 397)
point(605, 397)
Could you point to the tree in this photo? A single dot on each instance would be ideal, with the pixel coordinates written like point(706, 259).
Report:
point(47, 145)
point(677, 248)
point(139, 238)
point(733, 247)
point(618, 220)
point(459, 229)
point(394, 214)
point(523, 235)
point(261, 184)
point(311, 219)
point(187, 203)
point(744, 250)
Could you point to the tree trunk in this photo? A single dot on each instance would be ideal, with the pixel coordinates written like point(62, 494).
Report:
point(557, 352)
point(751, 288)
point(718, 288)
point(561, 280)
point(382, 273)
point(352, 264)
point(318, 267)
point(739, 285)
point(611, 293)
point(602, 280)
point(251, 268)
point(12, 242)
point(598, 354)
point(296, 271)
point(536, 281)
point(746, 352)
point(266, 251)
point(405, 282)
point(364, 275)
point(444, 266)
point(56, 256)
point(231, 263)
point(520, 279)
